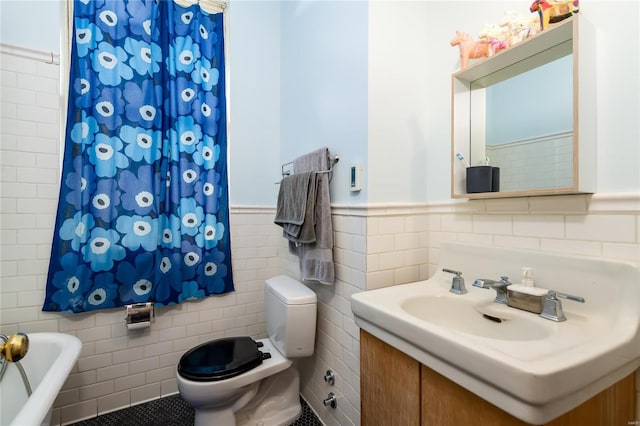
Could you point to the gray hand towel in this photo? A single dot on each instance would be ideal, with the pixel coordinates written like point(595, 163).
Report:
point(314, 161)
point(316, 258)
point(296, 204)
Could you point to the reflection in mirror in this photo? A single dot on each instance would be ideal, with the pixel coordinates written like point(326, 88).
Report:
point(523, 122)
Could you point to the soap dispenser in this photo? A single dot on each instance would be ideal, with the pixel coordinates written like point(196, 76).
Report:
point(527, 277)
point(524, 295)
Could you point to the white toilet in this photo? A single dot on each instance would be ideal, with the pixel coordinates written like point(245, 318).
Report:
point(239, 381)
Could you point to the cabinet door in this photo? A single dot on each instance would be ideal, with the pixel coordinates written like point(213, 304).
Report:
point(444, 403)
point(389, 385)
point(615, 405)
point(396, 390)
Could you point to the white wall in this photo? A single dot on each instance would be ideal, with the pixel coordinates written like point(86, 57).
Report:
point(324, 85)
point(399, 125)
point(34, 24)
point(618, 96)
point(305, 61)
point(410, 67)
point(253, 61)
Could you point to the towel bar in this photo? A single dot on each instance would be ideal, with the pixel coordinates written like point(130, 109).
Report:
point(332, 160)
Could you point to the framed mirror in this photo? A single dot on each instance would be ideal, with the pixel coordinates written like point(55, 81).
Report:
point(521, 112)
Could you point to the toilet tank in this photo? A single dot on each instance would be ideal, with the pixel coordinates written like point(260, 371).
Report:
point(290, 309)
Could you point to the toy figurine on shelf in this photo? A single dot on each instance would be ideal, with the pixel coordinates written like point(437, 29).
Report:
point(496, 44)
point(513, 29)
point(551, 12)
point(470, 48)
point(493, 31)
point(497, 36)
point(518, 27)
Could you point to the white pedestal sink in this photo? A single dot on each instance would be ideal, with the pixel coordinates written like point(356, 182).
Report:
point(530, 367)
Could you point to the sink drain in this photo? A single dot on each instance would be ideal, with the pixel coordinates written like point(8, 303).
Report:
point(491, 318)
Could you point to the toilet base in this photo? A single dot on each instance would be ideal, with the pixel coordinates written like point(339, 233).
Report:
point(276, 403)
point(217, 417)
point(207, 416)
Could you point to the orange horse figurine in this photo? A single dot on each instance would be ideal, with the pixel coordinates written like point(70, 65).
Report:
point(470, 49)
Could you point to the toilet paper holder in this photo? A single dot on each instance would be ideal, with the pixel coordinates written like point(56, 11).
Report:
point(139, 315)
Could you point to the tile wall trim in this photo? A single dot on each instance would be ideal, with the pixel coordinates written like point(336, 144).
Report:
point(239, 209)
point(618, 202)
point(614, 202)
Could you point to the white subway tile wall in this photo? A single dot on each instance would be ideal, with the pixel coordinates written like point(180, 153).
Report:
point(375, 247)
point(337, 337)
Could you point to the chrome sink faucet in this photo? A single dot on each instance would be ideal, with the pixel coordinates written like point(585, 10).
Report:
point(499, 286)
point(457, 284)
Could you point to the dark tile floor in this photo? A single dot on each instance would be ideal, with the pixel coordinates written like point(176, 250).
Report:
point(172, 411)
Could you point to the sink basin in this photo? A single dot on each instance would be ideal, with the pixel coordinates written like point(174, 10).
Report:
point(533, 368)
point(484, 319)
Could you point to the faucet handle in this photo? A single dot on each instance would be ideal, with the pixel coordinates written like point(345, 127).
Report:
point(457, 284)
point(552, 306)
point(566, 296)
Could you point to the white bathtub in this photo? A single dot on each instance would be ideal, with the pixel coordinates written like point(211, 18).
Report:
point(50, 358)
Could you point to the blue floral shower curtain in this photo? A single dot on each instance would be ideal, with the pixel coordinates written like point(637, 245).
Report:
point(143, 209)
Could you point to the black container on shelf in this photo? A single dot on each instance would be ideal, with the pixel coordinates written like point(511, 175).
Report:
point(483, 179)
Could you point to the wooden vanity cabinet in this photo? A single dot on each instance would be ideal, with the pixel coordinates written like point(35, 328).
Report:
point(389, 384)
point(397, 390)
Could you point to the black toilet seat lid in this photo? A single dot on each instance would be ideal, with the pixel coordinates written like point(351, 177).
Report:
point(221, 359)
